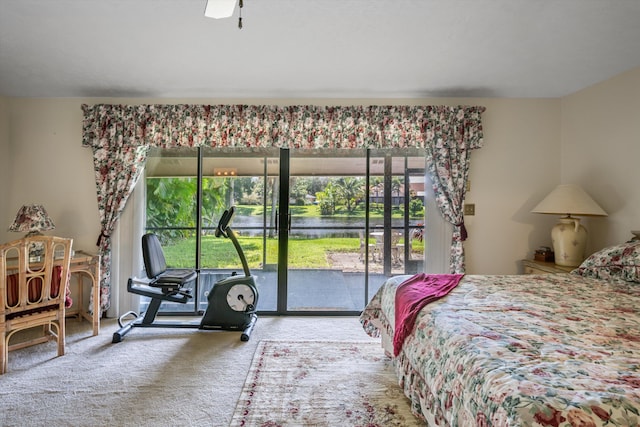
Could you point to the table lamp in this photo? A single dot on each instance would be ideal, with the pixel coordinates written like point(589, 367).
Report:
point(32, 219)
point(569, 237)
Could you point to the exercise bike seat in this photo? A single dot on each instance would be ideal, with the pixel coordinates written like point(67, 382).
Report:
point(156, 267)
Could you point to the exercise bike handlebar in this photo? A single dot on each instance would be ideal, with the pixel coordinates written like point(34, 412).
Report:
point(224, 222)
point(225, 230)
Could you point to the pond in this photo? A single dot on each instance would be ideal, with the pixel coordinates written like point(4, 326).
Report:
point(317, 226)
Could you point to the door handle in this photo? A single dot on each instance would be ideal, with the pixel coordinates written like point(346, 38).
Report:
point(277, 217)
point(289, 222)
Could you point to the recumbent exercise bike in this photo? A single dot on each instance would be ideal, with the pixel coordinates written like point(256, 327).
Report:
point(232, 301)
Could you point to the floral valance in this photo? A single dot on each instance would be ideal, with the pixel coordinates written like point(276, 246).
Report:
point(121, 135)
point(297, 126)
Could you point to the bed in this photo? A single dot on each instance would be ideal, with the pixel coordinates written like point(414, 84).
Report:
point(524, 350)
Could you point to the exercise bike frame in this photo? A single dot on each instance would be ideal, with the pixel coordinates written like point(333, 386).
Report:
point(217, 316)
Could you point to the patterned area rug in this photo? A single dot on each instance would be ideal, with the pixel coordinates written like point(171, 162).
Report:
point(322, 383)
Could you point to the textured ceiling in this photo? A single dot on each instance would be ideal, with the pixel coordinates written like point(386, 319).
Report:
point(315, 48)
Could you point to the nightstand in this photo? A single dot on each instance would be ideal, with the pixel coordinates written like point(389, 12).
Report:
point(540, 267)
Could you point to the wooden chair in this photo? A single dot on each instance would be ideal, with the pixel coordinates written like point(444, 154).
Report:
point(34, 272)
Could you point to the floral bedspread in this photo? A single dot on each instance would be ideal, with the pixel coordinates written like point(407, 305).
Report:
point(547, 350)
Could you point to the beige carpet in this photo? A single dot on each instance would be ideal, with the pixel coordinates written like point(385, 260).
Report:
point(322, 383)
point(155, 377)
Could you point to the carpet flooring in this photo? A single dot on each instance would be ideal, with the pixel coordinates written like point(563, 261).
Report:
point(322, 383)
point(155, 377)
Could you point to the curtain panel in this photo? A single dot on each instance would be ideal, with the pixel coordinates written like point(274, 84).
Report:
point(120, 136)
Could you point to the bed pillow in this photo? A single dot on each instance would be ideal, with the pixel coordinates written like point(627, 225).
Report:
point(615, 262)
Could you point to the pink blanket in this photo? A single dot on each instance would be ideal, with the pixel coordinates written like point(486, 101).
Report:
point(412, 295)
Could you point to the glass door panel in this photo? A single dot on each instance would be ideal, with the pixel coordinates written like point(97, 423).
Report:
point(386, 212)
point(248, 180)
point(326, 234)
point(414, 231)
point(171, 212)
point(321, 229)
point(396, 212)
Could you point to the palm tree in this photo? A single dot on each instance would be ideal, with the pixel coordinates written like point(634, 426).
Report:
point(171, 202)
point(351, 189)
point(327, 199)
point(214, 193)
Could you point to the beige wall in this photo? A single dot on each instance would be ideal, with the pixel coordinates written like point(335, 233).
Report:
point(601, 152)
point(509, 176)
point(49, 166)
point(5, 162)
point(517, 166)
point(531, 145)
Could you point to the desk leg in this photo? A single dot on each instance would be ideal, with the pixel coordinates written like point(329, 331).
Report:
point(93, 271)
point(96, 300)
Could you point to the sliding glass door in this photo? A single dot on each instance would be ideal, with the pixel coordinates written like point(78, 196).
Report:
point(251, 180)
point(396, 212)
point(326, 268)
point(348, 219)
point(321, 229)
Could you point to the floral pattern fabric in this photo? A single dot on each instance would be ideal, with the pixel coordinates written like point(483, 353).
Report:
point(546, 350)
point(117, 170)
point(120, 136)
point(615, 262)
point(296, 126)
point(449, 169)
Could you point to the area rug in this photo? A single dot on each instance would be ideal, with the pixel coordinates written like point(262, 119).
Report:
point(322, 383)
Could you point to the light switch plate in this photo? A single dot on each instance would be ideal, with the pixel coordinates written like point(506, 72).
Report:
point(469, 209)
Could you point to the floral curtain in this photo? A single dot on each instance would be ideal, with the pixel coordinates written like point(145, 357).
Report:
point(120, 136)
point(118, 162)
point(448, 158)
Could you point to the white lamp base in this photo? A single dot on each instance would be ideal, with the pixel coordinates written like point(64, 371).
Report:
point(569, 240)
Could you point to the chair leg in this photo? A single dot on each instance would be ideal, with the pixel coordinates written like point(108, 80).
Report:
point(61, 336)
point(4, 347)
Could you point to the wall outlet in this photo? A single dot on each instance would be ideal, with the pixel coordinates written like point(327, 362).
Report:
point(469, 209)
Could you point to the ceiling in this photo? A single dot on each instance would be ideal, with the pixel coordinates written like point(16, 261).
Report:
point(314, 48)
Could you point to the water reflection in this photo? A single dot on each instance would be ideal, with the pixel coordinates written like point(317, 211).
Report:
point(316, 226)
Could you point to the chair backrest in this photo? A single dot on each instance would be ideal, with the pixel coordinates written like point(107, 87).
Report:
point(33, 275)
point(153, 256)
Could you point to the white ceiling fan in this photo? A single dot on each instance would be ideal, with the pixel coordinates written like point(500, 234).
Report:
point(219, 9)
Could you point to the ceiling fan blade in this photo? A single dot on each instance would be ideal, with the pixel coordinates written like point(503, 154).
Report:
point(218, 9)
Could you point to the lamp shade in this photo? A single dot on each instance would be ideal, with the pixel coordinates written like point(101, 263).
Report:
point(569, 199)
point(569, 237)
point(32, 219)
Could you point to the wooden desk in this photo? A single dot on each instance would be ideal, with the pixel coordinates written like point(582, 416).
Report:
point(85, 264)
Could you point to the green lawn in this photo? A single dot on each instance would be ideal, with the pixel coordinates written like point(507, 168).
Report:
point(220, 253)
point(309, 253)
